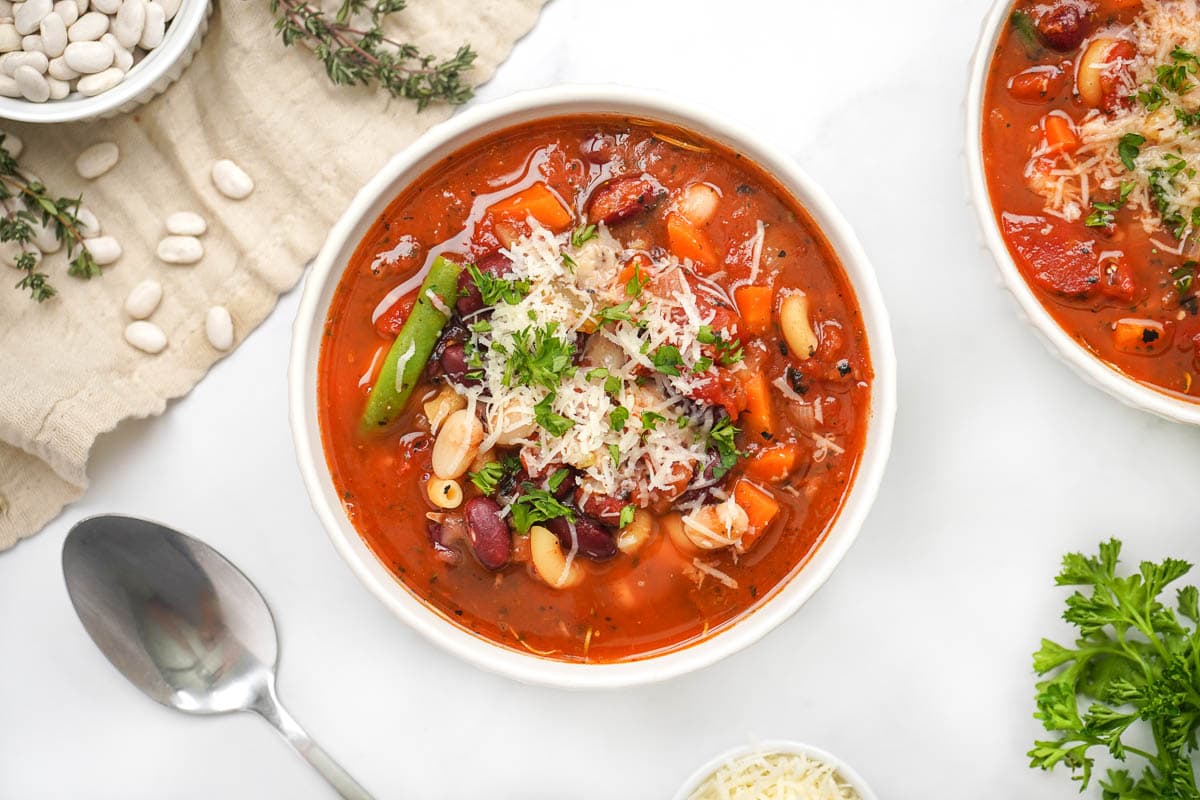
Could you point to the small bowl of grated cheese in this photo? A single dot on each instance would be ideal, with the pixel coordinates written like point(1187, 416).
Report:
point(775, 770)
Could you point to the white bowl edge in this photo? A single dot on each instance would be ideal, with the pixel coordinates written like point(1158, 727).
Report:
point(321, 282)
point(697, 778)
point(1085, 364)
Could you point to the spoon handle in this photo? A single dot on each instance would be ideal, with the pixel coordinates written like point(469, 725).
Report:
point(268, 707)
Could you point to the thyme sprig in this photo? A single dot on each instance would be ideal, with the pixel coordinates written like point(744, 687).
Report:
point(33, 205)
point(355, 51)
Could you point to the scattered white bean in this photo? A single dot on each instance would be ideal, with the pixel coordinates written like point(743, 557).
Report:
point(45, 238)
point(59, 69)
point(131, 18)
point(10, 40)
point(218, 326)
point(186, 223)
point(32, 44)
point(143, 299)
point(146, 336)
point(155, 27)
point(10, 251)
point(104, 249)
point(97, 160)
point(54, 35)
point(67, 11)
point(180, 250)
point(170, 7)
point(58, 89)
point(88, 57)
point(92, 85)
point(13, 144)
point(122, 58)
point(6, 9)
point(82, 6)
point(32, 85)
point(88, 28)
point(30, 14)
point(89, 226)
point(8, 87)
point(231, 180)
point(106, 6)
point(10, 61)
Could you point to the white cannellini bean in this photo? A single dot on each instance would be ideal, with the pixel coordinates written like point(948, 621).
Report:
point(180, 250)
point(155, 27)
point(218, 327)
point(104, 249)
point(67, 11)
point(88, 28)
point(186, 223)
point(170, 7)
point(13, 144)
point(456, 444)
point(10, 61)
point(797, 330)
point(30, 14)
point(11, 251)
point(97, 160)
point(131, 19)
point(61, 70)
point(81, 6)
point(443, 404)
point(58, 89)
point(32, 44)
point(32, 84)
point(231, 180)
point(45, 238)
point(89, 226)
point(88, 58)
point(6, 9)
point(143, 299)
point(54, 35)
point(122, 57)
point(10, 40)
point(146, 336)
point(549, 561)
point(106, 6)
point(698, 203)
point(8, 87)
point(92, 85)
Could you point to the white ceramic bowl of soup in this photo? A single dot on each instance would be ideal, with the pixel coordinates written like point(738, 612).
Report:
point(148, 78)
point(775, 747)
point(407, 166)
point(1087, 365)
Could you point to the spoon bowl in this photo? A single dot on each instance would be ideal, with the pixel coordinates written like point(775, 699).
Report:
point(182, 624)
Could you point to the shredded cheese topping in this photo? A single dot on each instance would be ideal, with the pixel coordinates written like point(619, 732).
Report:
point(775, 776)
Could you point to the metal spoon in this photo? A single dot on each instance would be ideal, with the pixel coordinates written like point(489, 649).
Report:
point(183, 625)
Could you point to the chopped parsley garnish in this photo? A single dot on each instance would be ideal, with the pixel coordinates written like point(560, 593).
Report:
point(1184, 276)
point(618, 417)
point(722, 438)
point(728, 352)
point(536, 505)
point(1026, 32)
point(582, 235)
point(540, 359)
point(615, 452)
point(612, 385)
point(494, 290)
point(667, 360)
point(482, 326)
point(618, 313)
point(650, 420)
point(634, 286)
point(597, 373)
point(1102, 215)
point(703, 364)
point(491, 476)
point(1129, 147)
point(1152, 98)
point(569, 262)
point(627, 513)
point(554, 424)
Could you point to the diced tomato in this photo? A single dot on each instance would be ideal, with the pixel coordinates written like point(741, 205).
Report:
point(390, 322)
point(619, 199)
point(1116, 277)
point(1054, 257)
point(724, 390)
point(1037, 84)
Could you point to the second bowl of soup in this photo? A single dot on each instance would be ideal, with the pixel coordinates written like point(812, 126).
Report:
point(591, 388)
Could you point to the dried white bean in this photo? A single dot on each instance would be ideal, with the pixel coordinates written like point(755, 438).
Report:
point(30, 14)
point(32, 85)
point(106, 6)
point(82, 6)
point(6, 9)
point(11, 251)
point(54, 35)
point(32, 44)
point(89, 226)
point(61, 70)
point(186, 223)
point(170, 7)
point(104, 249)
point(58, 89)
point(180, 250)
point(143, 299)
point(456, 444)
point(67, 11)
point(13, 144)
point(88, 57)
point(218, 326)
point(97, 160)
point(131, 19)
point(45, 238)
point(88, 28)
point(122, 58)
point(154, 28)
point(10, 40)
point(10, 61)
point(8, 87)
point(146, 336)
point(92, 85)
point(231, 180)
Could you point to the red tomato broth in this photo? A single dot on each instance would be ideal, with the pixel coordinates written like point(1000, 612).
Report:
point(1087, 278)
point(632, 606)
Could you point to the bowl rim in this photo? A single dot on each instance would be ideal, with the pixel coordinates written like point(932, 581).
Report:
point(1086, 364)
point(769, 747)
point(181, 30)
point(469, 125)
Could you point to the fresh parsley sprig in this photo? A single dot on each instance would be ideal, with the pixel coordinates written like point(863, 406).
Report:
point(495, 290)
point(1135, 665)
point(536, 505)
point(355, 51)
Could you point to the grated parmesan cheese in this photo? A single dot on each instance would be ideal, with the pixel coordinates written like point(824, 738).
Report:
point(775, 776)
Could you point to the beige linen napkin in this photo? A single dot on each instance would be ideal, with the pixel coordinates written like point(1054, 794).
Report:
point(66, 373)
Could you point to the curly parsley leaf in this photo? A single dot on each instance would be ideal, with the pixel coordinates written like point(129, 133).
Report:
point(723, 439)
point(554, 424)
point(495, 290)
point(536, 505)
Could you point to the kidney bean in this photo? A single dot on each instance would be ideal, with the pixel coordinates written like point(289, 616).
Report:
point(595, 542)
point(1065, 25)
point(454, 363)
point(487, 532)
point(619, 199)
point(469, 299)
point(603, 507)
point(445, 553)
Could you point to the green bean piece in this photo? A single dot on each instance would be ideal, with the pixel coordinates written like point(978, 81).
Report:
point(417, 338)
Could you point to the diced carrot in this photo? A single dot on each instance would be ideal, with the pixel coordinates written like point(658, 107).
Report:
point(758, 405)
point(1145, 337)
point(539, 202)
point(687, 241)
point(1060, 134)
point(760, 507)
point(637, 265)
point(754, 305)
point(773, 463)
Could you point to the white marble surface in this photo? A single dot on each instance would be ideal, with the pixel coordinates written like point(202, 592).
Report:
point(913, 662)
